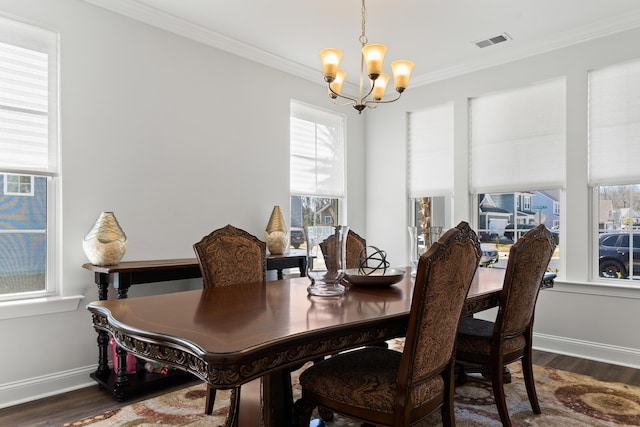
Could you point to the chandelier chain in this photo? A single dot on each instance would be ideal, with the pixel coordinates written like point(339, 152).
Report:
point(363, 37)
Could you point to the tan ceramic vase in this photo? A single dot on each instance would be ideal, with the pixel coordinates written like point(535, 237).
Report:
point(105, 243)
point(276, 235)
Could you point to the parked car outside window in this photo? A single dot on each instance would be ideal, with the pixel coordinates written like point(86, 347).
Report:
point(297, 237)
point(489, 253)
point(615, 255)
point(523, 228)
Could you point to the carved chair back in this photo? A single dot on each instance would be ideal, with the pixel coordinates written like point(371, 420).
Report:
point(356, 247)
point(444, 275)
point(231, 256)
point(528, 261)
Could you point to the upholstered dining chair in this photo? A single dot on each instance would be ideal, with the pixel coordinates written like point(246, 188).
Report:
point(356, 247)
point(483, 346)
point(230, 256)
point(386, 387)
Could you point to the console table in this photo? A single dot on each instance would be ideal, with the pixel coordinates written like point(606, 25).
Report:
point(125, 274)
point(122, 276)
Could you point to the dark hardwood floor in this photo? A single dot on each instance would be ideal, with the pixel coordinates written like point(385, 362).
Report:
point(74, 405)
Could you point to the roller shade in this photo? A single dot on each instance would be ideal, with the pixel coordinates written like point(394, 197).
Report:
point(614, 125)
point(430, 152)
point(518, 139)
point(28, 99)
point(316, 152)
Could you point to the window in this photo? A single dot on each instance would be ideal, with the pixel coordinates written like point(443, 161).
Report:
point(513, 193)
point(28, 160)
point(430, 172)
point(18, 185)
point(614, 154)
point(317, 156)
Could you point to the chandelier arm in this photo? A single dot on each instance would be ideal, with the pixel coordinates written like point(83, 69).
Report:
point(363, 99)
point(354, 100)
point(373, 101)
point(350, 102)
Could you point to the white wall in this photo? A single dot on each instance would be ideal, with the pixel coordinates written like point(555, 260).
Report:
point(579, 316)
point(175, 137)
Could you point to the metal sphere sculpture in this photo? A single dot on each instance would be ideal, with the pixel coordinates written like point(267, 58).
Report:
point(376, 261)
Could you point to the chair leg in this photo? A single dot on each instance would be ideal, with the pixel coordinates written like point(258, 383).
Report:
point(529, 381)
point(325, 414)
point(211, 398)
point(302, 413)
point(460, 374)
point(446, 410)
point(498, 392)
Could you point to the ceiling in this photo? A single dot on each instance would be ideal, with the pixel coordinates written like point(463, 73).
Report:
point(439, 36)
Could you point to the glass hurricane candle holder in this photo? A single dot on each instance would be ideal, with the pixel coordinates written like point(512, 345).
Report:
point(326, 259)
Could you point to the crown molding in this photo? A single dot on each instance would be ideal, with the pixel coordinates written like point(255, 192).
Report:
point(168, 22)
point(557, 41)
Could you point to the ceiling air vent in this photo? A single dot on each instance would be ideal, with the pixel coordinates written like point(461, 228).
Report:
point(493, 40)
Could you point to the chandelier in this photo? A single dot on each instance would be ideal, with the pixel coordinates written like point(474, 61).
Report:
point(372, 56)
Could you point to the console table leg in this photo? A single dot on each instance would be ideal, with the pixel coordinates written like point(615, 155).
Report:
point(102, 281)
point(103, 370)
point(122, 382)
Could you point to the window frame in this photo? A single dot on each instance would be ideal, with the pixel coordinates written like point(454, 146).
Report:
point(522, 132)
point(597, 231)
point(611, 128)
point(7, 192)
point(51, 299)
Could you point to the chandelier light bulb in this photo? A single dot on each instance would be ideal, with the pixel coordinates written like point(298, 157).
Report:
point(336, 85)
point(330, 62)
point(401, 73)
point(379, 86)
point(374, 57)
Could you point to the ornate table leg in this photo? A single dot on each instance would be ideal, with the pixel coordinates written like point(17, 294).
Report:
point(102, 281)
point(121, 282)
point(278, 398)
point(103, 370)
point(122, 382)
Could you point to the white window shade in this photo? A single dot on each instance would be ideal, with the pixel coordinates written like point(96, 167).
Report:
point(614, 125)
point(430, 153)
point(317, 152)
point(518, 139)
point(28, 99)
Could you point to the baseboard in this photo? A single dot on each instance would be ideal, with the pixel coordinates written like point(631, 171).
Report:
point(47, 385)
point(623, 356)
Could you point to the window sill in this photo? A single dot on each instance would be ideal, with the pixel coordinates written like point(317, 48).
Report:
point(621, 290)
point(39, 306)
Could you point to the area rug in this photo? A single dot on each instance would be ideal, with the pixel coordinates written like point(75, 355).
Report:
point(566, 399)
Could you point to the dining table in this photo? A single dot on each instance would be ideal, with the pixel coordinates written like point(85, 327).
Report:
point(232, 335)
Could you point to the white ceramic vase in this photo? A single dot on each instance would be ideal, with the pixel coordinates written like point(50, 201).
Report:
point(105, 243)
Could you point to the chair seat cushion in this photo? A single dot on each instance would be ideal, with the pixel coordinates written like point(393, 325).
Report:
point(474, 337)
point(364, 378)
